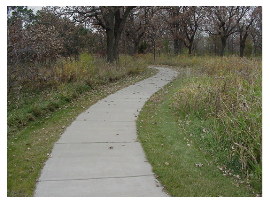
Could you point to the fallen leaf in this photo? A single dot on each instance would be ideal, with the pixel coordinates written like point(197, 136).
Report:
point(198, 164)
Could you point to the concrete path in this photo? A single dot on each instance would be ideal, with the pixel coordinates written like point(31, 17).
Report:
point(98, 154)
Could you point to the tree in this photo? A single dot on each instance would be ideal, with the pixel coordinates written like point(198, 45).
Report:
point(39, 39)
point(183, 22)
point(111, 18)
point(190, 22)
point(19, 18)
point(153, 34)
point(256, 30)
point(72, 35)
point(137, 24)
point(20, 12)
point(172, 16)
point(223, 21)
point(244, 27)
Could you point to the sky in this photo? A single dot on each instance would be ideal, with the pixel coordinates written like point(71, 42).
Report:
point(35, 8)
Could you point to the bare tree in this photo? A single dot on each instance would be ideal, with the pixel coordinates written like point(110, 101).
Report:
point(244, 27)
point(137, 24)
point(172, 16)
point(155, 29)
point(256, 30)
point(190, 22)
point(183, 23)
point(223, 21)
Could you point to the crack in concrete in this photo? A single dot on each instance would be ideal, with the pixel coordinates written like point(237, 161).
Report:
point(97, 178)
point(94, 142)
point(103, 120)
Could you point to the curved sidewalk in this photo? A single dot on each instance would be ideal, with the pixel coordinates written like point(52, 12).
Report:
point(98, 154)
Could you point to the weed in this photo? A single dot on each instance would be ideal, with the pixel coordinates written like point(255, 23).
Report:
point(65, 81)
point(183, 168)
point(221, 104)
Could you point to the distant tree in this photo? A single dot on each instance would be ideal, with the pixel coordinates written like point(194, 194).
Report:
point(137, 24)
point(18, 18)
point(32, 38)
point(72, 35)
point(223, 21)
point(172, 16)
point(20, 13)
point(256, 30)
point(41, 44)
point(244, 26)
point(190, 22)
point(155, 30)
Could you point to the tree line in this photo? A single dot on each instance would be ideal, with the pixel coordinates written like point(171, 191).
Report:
point(109, 31)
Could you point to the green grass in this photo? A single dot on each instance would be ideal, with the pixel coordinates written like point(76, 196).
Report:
point(66, 80)
point(217, 108)
point(30, 141)
point(176, 157)
point(211, 116)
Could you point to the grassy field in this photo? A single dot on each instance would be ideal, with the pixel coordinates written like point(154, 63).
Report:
point(51, 110)
point(202, 134)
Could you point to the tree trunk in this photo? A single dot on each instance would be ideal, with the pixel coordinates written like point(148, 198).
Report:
point(113, 38)
point(243, 44)
point(232, 46)
point(136, 47)
point(253, 48)
point(242, 48)
point(116, 51)
point(177, 46)
point(190, 47)
point(114, 25)
point(154, 44)
point(190, 50)
point(110, 46)
point(223, 45)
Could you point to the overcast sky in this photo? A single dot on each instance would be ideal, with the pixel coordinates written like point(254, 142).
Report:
point(35, 8)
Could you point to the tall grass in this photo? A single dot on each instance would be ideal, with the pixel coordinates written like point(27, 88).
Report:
point(223, 108)
point(63, 82)
point(94, 70)
point(219, 108)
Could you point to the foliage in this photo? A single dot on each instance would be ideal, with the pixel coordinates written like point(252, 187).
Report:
point(227, 100)
point(68, 80)
point(217, 106)
point(38, 42)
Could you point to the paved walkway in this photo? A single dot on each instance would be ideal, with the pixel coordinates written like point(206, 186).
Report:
point(98, 154)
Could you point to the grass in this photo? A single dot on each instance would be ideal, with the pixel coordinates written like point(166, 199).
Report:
point(211, 117)
point(53, 109)
point(202, 133)
point(174, 157)
point(65, 81)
